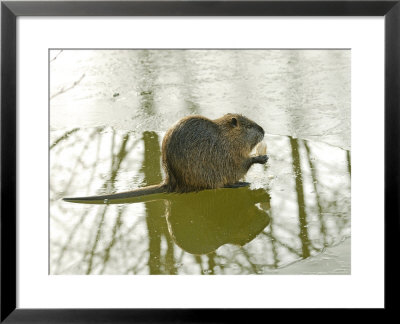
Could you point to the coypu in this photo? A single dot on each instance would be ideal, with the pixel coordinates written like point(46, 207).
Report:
point(199, 153)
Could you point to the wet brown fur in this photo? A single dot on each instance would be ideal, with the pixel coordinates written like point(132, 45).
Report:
point(199, 153)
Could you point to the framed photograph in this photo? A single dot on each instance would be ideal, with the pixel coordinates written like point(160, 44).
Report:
point(184, 160)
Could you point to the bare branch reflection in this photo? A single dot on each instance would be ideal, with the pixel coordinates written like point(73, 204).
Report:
point(226, 231)
point(296, 207)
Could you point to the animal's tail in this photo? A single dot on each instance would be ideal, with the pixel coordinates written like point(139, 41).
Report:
point(128, 196)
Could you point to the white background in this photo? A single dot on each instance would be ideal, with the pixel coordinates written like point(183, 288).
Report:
point(363, 288)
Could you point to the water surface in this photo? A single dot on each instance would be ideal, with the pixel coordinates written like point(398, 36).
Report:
point(108, 113)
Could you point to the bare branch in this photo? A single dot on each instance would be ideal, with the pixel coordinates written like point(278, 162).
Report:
point(63, 90)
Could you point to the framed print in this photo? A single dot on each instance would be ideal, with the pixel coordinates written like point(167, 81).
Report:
point(164, 158)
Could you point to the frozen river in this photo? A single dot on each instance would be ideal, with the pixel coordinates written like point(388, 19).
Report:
point(109, 110)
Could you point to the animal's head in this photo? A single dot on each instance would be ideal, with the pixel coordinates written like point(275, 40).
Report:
point(244, 130)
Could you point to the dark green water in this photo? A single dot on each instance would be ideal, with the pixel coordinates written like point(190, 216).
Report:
point(108, 113)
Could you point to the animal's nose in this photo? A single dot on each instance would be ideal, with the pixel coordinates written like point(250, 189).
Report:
point(261, 130)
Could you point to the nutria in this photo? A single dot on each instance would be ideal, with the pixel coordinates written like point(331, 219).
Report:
point(199, 153)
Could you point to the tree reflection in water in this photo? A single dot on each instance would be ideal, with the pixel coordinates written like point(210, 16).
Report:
point(301, 207)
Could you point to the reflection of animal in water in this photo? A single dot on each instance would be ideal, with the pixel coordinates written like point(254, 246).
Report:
point(199, 153)
point(201, 222)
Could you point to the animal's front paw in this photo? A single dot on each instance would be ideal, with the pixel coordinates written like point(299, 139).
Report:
point(262, 159)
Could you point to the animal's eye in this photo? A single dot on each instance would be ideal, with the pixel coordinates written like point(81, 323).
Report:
point(248, 126)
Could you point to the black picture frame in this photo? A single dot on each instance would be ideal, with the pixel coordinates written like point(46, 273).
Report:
point(10, 10)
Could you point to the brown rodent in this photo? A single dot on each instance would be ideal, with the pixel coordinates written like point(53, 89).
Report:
point(199, 153)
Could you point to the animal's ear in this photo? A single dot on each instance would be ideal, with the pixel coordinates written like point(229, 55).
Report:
point(234, 122)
